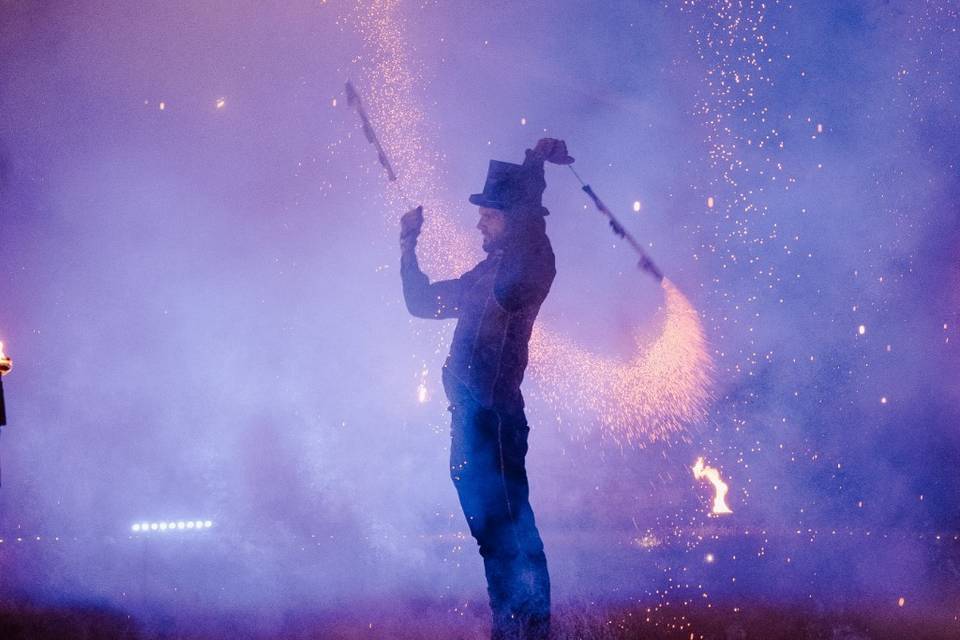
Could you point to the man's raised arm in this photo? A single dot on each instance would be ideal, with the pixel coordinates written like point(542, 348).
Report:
point(424, 300)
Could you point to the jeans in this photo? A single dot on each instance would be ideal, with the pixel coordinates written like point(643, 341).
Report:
point(487, 467)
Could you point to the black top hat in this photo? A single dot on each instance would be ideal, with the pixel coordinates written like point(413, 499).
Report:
point(511, 186)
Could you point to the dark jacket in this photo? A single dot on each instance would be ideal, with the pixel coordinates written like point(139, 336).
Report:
point(495, 304)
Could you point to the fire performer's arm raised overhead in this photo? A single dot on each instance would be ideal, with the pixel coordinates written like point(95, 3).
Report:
point(424, 299)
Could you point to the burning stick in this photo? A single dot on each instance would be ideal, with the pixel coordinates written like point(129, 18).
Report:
point(701, 471)
point(353, 100)
point(6, 364)
point(645, 262)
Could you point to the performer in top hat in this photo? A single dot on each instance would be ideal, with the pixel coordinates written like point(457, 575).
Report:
point(495, 304)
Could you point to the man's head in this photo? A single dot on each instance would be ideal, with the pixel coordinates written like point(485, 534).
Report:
point(493, 225)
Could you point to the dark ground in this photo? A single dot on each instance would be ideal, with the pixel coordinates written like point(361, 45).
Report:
point(714, 584)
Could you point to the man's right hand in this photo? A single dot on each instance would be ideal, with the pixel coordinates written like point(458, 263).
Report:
point(410, 225)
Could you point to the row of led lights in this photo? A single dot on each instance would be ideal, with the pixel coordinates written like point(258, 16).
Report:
point(180, 525)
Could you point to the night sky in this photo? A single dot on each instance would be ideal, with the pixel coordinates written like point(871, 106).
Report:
point(202, 297)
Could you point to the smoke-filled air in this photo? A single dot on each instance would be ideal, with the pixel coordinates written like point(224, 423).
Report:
point(226, 418)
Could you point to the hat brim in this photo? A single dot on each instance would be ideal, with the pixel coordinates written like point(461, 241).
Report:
point(482, 201)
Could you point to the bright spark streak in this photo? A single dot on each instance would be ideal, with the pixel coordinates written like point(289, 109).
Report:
point(720, 498)
point(221, 102)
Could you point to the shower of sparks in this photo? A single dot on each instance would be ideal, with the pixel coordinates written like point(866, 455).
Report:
point(653, 396)
point(700, 471)
point(388, 85)
point(422, 392)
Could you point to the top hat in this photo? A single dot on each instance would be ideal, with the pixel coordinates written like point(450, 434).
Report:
point(510, 185)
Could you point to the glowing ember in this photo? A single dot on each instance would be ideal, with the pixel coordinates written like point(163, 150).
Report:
point(710, 202)
point(701, 471)
point(221, 102)
point(6, 364)
point(901, 602)
point(648, 541)
point(636, 206)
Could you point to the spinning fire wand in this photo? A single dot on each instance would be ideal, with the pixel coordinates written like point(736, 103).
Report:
point(645, 262)
point(353, 100)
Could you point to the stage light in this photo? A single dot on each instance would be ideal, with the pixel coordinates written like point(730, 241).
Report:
point(166, 526)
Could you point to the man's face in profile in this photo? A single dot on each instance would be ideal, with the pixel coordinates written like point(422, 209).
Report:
point(492, 224)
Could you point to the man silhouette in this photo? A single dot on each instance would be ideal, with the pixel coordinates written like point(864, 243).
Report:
point(495, 304)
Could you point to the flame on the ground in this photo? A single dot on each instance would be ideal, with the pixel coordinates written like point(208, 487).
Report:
point(701, 471)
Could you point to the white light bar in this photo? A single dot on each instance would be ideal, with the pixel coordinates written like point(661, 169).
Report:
point(170, 525)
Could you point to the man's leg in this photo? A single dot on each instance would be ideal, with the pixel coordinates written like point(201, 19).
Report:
point(487, 466)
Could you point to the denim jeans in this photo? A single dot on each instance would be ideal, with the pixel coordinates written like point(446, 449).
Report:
point(488, 447)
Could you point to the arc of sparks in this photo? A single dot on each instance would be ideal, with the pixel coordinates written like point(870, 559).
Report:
point(701, 471)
